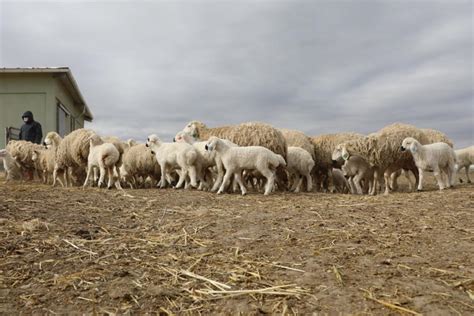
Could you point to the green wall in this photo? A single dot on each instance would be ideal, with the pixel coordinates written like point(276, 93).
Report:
point(36, 92)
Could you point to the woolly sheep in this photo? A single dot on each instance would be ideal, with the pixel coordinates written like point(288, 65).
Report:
point(382, 150)
point(298, 139)
point(236, 159)
point(174, 155)
point(324, 145)
point(139, 162)
point(299, 165)
point(10, 165)
point(435, 136)
point(465, 158)
point(102, 156)
point(22, 151)
point(45, 160)
point(72, 154)
point(439, 157)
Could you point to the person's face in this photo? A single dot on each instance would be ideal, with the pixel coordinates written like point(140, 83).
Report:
point(25, 119)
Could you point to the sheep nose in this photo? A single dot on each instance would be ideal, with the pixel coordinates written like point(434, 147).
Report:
point(147, 145)
point(205, 147)
point(174, 140)
point(334, 162)
point(152, 152)
point(402, 148)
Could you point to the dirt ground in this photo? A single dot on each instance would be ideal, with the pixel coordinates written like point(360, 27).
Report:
point(65, 250)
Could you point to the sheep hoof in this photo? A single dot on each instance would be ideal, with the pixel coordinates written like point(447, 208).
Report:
point(219, 192)
point(419, 190)
point(109, 188)
point(468, 181)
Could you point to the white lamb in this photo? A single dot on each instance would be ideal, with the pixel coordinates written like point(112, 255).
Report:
point(172, 156)
point(341, 184)
point(105, 157)
point(465, 158)
point(438, 157)
point(300, 164)
point(357, 169)
point(237, 159)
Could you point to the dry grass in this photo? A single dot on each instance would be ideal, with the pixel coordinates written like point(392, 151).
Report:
point(189, 252)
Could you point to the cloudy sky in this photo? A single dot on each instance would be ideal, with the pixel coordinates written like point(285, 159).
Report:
point(317, 66)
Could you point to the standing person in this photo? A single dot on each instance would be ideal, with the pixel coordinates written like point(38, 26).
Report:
point(30, 130)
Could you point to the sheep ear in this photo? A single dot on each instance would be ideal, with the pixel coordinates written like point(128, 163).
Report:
point(413, 148)
point(345, 156)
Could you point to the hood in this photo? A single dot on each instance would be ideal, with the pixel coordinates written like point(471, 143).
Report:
point(29, 115)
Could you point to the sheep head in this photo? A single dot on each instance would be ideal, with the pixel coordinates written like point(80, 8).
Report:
point(194, 128)
point(411, 144)
point(52, 138)
point(212, 143)
point(153, 141)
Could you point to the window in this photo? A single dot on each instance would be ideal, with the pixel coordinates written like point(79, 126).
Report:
point(64, 120)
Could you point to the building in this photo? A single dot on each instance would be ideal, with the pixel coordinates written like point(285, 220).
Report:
point(51, 94)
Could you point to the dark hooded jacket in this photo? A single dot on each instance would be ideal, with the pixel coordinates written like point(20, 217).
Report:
point(31, 130)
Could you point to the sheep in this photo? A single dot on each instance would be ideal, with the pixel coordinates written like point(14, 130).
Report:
point(236, 159)
point(435, 136)
point(357, 169)
point(174, 155)
point(72, 154)
point(439, 157)
point(45, 159)
point(245, 134)
point(22, 151)
point(138, 161)
point(105, 157)
point(324, 146)
point(341, 184)
point(465, 158)
point(298, 139)
point(10, 165)
point(382, 150)
point(299, 165)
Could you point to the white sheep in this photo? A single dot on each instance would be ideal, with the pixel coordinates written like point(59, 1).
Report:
point(205, 159)
point(465, 158)
point(174, 156)
point(11, 166)
point(299, 165)
point(105, 157)
point(341, 184)
point(237, 159)
point(438, 157)
point(45, 161)
point(358, 170)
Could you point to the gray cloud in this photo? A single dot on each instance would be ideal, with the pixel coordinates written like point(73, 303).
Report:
point(319, 66)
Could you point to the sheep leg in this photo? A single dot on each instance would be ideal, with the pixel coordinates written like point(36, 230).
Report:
point(309, 182)
point(357, 178)
point(89, 169)
point(110, 173)
point(406, 173)
point(192, 175)
point(182, 176)
point(386, 177)
point(439, 178)
point(238, 179)
point(164, 172)
point(467, 173)
point(220, 176)
point(225, 181)
point(352, 185)
point(101, 175)
point(270, 176)
point(376, 183)
point(420, 179)
point(298, 182)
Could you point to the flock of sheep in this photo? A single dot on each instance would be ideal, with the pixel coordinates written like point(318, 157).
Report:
point(244, 156)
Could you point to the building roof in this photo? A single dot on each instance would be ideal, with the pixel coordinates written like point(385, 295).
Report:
point(68, 80)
